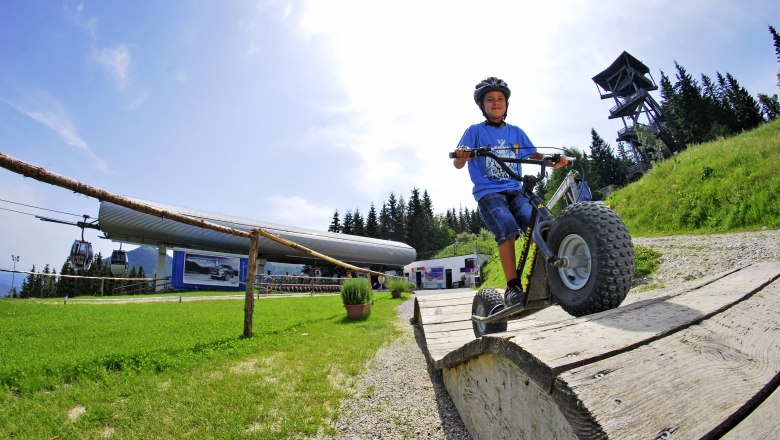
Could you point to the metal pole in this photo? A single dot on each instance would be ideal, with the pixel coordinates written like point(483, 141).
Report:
point(14, 258)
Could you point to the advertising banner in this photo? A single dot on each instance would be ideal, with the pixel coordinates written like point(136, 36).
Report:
point(207, 270)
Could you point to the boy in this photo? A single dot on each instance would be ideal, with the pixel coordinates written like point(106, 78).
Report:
point(502, 205)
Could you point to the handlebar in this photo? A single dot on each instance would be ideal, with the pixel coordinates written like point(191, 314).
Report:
point(487, 152)
point(502, 162)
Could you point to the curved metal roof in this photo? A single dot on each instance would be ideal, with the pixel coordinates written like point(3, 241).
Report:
point(126, 225)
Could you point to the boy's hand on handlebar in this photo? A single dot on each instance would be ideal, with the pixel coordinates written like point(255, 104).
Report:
point(461, 156)
point(554, 161)
point(560, 163)
point(463, 153)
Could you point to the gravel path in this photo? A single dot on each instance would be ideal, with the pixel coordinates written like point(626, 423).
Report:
point(401, 397)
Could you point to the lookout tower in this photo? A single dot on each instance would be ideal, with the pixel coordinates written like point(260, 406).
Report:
point(629, 83)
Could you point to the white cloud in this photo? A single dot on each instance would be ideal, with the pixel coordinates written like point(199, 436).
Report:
point(116, 62)
point(408, 69)
point(409, 80)
point(49, 111)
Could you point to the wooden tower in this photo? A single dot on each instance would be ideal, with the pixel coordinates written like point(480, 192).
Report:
point(629, 83)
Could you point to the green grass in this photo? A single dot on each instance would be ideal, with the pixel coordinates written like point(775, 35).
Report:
point(646, 261)
point(727, 185)
point(173, 370)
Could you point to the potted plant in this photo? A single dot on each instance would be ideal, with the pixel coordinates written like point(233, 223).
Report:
point(396, 286)
point(356, 295)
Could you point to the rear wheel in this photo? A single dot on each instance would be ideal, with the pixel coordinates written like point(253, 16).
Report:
point(487, 301)
point(600, 259)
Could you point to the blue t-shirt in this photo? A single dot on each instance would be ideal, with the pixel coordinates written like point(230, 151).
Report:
point(508, 141)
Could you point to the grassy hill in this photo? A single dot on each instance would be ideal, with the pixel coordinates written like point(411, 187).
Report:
point(723, 186)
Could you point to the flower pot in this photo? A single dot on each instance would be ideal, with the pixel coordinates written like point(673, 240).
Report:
point(396, 293)
point(357, 311)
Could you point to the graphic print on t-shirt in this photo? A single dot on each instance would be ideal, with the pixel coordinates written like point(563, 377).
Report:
point(494, 170)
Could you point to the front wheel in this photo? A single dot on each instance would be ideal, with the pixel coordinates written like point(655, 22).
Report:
point(487, 301)
point(599, 256)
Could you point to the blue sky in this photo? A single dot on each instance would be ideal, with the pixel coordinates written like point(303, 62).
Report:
point(284, 111)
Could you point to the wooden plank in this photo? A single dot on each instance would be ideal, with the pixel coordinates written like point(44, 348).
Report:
point(762, 423)
point(429, 304)
point(464, 310)
point(565, 344)
point(462, 336)
point(697, 382)
point(444, 312)
point(433, 328)
point(465, 332)
point(433, 298)
point(446, 302)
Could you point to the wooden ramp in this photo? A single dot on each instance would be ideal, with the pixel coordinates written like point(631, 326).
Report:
point(698, 361)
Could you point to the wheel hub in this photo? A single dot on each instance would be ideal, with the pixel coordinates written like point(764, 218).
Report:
point(576, 254)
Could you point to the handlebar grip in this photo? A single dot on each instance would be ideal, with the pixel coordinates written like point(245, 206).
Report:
point(452, 155)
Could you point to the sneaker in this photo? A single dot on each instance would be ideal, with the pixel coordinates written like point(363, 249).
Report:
point(513, 296)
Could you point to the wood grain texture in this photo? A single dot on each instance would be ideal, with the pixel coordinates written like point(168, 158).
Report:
point(701, 360)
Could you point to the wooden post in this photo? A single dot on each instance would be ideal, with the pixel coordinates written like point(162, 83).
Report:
point(249, 299)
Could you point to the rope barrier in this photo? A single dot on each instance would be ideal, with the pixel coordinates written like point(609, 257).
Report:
point(43, 175)
point(80, 276)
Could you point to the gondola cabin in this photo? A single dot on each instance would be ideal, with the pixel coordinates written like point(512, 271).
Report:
point(81, 255)
point(118, 262)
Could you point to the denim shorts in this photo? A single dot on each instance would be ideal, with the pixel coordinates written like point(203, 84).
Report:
point(505, 213)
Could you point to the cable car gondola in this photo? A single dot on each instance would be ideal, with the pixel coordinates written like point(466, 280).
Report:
point(119, 262)
point(81, 252)
point(81, 255)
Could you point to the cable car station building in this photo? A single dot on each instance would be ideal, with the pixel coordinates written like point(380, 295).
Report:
point(196, 245)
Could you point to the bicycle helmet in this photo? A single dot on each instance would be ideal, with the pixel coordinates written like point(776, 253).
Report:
point(488, 85)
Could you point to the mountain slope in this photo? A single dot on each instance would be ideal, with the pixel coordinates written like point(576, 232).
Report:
point(727, 185)
point(146, 257)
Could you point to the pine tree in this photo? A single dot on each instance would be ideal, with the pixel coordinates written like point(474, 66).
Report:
point(415, 219)
point(443, 235)
point(335, 225)
point(606, 170)
point(776, 40)
point(46, 282)
point(427, 204)
point(744, 106)
point(723, 121)
point(348, 226)
point(28, 285)
point(372, 223)
point(358, 224)
point(770, 106)
point(400, 220)
point(670, 105)
point(392, 225)
point(693, 108)
point(65, 285)
point(452, 219)
point(475, 222)
point(37, 286)
point(384, 222)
